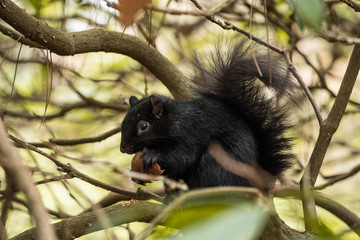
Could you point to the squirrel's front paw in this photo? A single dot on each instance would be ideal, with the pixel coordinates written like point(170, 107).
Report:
point(150, 157)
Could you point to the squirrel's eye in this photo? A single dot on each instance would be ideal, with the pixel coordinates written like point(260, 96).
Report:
point(143, 126)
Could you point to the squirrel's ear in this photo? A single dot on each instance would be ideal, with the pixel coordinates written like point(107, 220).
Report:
point(156, 105)
point(133, 100)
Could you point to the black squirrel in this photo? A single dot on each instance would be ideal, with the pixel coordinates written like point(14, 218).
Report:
point(231, 108)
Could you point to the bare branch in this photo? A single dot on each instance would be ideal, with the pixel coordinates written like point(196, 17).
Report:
point(74, 172)
point(96, 40)
point(330, 125)
point(353, 4)
point(339, 177)
point(99, 138)
point(304, 87)
point(331, 37)
point(89, 102)
point(17, 173)
point(322, 201)
point(327, 129)
point(113, 198)
point(89, 222)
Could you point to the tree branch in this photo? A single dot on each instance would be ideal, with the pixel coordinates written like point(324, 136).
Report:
point(324, 202)
point(96, 40)
point(327, 129)
point(19, 176)
point(89, 222)
point(339, 177)
point(353, 4)
point(330, 125)
point(99, 138)
point(75, 173)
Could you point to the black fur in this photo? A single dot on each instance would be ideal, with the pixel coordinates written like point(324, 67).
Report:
point(231, 108)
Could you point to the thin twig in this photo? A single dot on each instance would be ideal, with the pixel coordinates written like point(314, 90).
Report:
point(353, 4)
point(74, 172)
point(330, 205)
point(327, 129)
point(18, 174)
point(339, 177)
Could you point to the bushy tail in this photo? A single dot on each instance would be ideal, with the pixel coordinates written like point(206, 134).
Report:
point(231, 76)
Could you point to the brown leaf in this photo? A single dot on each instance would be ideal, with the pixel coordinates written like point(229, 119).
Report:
point(129, 8)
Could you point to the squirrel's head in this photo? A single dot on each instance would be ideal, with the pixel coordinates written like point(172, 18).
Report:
point(142, 124)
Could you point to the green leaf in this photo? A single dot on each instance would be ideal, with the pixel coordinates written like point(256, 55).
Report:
point(310, 13)
point(291, 4)
point(242, 221)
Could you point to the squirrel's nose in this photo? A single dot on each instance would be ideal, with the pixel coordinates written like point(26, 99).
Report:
point(126, 149)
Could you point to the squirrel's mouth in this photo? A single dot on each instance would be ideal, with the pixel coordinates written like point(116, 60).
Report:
point(126, 149)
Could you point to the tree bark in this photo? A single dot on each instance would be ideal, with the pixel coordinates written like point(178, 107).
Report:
point(95, 40)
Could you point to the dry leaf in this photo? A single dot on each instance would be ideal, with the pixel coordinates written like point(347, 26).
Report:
point(129, 8)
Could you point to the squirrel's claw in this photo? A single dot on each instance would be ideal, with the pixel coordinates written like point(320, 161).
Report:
point(150, 157)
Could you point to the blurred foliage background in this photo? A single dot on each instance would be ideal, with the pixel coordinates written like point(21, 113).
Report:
point(46, 98)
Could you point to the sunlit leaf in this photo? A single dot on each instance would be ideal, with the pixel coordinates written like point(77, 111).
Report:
point(310, 13)
point(291, 4)
point(238, 222)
